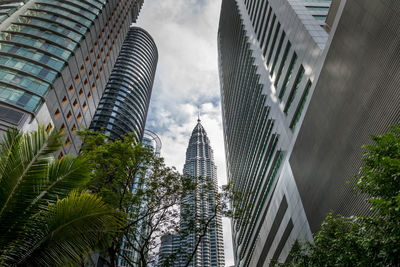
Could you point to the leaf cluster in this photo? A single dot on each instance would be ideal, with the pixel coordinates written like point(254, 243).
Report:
point(131, 178)
point(41, 222)
point(155, 198)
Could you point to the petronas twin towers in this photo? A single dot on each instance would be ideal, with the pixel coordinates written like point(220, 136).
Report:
point(197, 208)
point(200, 165)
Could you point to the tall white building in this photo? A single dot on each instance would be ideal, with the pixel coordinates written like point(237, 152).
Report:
point(201, 204)
point(303, 85)
point(269, 51)
point(196, 208)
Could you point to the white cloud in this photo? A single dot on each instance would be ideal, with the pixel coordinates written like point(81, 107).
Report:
point(185, 32)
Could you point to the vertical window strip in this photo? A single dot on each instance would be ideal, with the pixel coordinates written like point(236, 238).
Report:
point(294, 90)
point(255, 211)
point(288, 75)
point(300, 107)
point(266, 27)
point(251, 7)
point(254, 12)
point(273, 171)
point(262, 14)
point(278, 51)
point(263, 146)
point(269, 35)
point(271, 50)
point(283, 62)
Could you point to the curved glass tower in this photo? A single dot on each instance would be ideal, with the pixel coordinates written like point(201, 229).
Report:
point(123, 107)
point(200, 165)
point(55, 59)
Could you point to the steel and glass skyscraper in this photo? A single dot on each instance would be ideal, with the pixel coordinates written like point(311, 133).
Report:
point(295, 96)
point(198, 205)
point(268, 53)
point(201, 203)
point(55, 60)
point(125, 102)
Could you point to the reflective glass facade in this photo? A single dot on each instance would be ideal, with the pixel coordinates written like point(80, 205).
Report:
point(45, 38)
point(269, 51)
point(7, 8)
point(123, 107)
point(55, 59)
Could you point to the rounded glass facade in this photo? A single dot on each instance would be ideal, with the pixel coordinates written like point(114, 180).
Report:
point(125, 101)
point(37, 46)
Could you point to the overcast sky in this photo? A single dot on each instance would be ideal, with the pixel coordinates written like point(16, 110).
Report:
point(185, 32)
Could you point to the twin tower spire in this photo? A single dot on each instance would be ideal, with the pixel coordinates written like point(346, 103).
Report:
point(200, 165)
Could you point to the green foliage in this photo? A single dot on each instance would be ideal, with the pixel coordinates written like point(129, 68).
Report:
point(134, 180)
point(380, 174)
point(64, 231)
point(116, 166)
point(369, 240)
point(131, 178)
point(33, 209)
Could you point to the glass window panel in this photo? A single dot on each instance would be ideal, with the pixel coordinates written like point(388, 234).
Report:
point(46, 15)
point(33, 55)
point(319, 17)
point(318, 8)
point(81, 19)
point(295, 88)
point(20, 98)
point(87, 14)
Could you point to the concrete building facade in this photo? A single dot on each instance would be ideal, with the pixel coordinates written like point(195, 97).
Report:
point(55, 60)
point(356, 95)
point(300, 95)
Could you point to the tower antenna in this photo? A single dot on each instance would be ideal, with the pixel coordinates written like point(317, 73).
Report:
point(198, 113)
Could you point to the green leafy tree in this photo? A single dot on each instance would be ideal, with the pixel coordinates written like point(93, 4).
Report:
point(363, 240)
point(43, 221)
point(133, 180)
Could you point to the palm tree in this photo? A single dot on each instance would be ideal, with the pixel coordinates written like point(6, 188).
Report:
point(44, 221)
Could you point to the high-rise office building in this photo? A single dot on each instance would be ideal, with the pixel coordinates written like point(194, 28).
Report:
point(55, 60)
point(201, 203)
point(276, 59)
point(268, 53)
point(197, 206)
point(125, 101)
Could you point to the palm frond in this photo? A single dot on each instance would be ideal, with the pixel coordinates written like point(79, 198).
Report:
point(64, 232)
point(64, 176)
point(24, 167)
point(10, 142)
